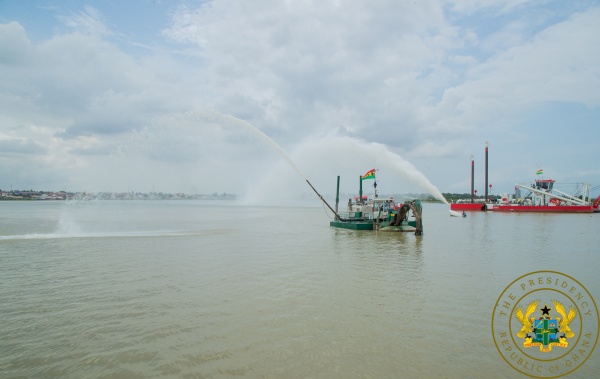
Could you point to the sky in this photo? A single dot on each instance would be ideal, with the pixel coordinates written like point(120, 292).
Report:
point(256, 97)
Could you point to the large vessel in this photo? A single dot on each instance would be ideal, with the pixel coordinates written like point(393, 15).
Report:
point(541, 196)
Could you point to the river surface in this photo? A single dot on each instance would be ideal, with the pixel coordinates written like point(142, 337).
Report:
point(193, 289)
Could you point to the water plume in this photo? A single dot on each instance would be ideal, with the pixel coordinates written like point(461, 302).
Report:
point(347, 155)
point(220, 118)
point(324, 151)
point(406, 168)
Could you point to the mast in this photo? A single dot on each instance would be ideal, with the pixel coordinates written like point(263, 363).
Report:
point(375, 184)
point(472, 180)
point(486, 172)
point(360, 190)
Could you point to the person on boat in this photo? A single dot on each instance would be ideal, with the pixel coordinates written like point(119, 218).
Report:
point(350, 204)
point(386, 206)
point(464, 214)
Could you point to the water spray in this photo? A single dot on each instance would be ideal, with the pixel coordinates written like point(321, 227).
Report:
point(211, 115)
point(402, 166)
point(228, 118)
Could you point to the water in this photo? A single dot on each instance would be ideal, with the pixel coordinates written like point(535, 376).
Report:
point(369, 152)
point(218, 117)
point(191, 289)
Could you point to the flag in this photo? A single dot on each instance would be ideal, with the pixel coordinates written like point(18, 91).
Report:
point(540, 172)
point(369, 175)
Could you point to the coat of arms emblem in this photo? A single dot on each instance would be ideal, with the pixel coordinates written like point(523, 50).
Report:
point(545, 331)
point(545, 324)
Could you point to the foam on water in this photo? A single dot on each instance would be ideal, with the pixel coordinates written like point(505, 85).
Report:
point(75, 219)
point(62, 235)
point(66, 223)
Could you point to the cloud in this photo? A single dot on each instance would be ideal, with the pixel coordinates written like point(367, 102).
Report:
point(89, 21)
point(20, 146)
point(12, 39)
point(555, 65)
point(428, 80)
point(318, 67)
point(473, 6)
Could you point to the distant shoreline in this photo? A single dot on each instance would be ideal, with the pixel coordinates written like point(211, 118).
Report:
point(63, 196)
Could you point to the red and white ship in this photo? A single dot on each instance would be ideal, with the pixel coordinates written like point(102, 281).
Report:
point(541, 196)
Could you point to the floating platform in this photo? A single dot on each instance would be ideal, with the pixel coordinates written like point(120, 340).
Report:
point(467, 206)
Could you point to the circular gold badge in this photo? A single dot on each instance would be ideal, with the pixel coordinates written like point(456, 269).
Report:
point(545, 324)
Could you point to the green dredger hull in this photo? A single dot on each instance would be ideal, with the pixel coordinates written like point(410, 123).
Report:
point(370, 225)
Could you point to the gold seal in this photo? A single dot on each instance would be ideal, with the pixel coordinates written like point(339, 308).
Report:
point(545, 324)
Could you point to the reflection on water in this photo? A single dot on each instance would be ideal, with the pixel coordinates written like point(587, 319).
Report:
point(192, 289)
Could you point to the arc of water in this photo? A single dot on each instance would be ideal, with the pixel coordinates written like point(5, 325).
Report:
point(248, 126)
point(413, 174)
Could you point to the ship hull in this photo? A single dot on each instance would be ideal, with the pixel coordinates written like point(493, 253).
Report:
point(467, 207)
point(370, 225)
point(543, 208)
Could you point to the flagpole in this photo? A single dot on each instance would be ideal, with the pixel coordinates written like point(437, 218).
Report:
point(369, 175)
point(375, 183)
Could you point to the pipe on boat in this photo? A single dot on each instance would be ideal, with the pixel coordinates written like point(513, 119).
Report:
point(418, 220)
point(337, 216)
point(337, 194)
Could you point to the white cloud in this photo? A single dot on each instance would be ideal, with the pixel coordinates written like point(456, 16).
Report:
point(475, 6)
point(558, 64)
point(90, 21)
point(430, 80)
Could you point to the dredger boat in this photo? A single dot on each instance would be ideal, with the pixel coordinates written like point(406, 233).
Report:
point(375, 214)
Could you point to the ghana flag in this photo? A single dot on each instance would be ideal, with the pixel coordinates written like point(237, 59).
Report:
point(369, 175)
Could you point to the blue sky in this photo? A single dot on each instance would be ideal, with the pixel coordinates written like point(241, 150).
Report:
point(135, 95)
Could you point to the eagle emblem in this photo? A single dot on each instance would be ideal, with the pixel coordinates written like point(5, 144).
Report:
point(545, 331)
point(524, 319)
point(566, 318)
